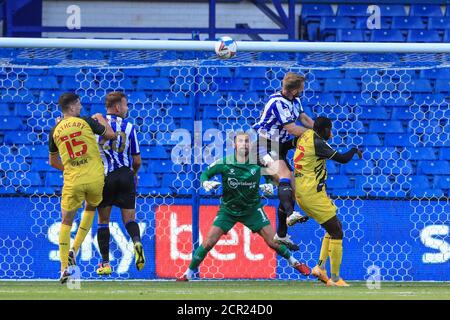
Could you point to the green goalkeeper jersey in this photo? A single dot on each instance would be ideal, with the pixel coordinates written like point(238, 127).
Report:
point(240, 183)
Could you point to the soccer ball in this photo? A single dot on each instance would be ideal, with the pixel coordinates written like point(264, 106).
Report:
point(225, 47)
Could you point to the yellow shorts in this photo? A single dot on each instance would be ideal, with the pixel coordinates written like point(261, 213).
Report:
point(316, 205)
point(73, 196)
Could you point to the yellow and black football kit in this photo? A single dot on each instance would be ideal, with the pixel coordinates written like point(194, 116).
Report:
point(74, 139)
point(310, 176)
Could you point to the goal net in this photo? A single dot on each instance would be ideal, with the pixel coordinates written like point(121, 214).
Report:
point(393, 203)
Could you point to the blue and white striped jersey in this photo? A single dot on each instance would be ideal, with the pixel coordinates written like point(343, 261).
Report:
point(278, 112)
point(117, 153)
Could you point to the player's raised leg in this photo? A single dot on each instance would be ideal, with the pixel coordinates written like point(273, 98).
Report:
point(103, 238)
point(267, 233)
point(200, 253)
point(129, 217)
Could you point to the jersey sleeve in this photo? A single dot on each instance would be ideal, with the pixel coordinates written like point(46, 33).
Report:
point(323, 149)
point(52, 147)
point(300, 107)
point(282, 113)
point(212, 170)
point(96, 127)
point(134, 143)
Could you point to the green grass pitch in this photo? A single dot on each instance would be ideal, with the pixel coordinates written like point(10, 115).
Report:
point(224, 290)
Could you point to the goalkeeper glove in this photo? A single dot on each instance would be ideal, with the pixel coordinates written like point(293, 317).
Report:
point(209, 185)
point(267, 189)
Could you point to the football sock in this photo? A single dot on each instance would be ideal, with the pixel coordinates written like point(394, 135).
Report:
point(133, 230)
point(64, 245)
point(103, 236)
point(83, 229)
point(335, 258)
point(198, 257)
point(189, 273)
point(282, 226)
point(292, 260)
point(284, 251)
point(324, 251)
point(286, 205)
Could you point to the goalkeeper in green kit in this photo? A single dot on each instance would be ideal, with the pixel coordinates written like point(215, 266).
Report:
point(241, 202)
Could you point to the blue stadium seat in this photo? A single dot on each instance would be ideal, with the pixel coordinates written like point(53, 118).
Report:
point(324, 74)
point(335, 23)
point(401, 113)
point(39, 190)
point(49, 96)
point(54, 179)
point(441, 182)
point(427, 126)
point(251, 72)
point(433, 167)
point(396, 167)
point(11, 123)
point(422, 154)
point(163, 166)
point(323, 99)
point(41, 165)
point(273, 56)
point(352, 10)
point(338, 182)
point(259, 84)
point(44, 82)
point(373, 113)
point(425, 10)
point(442, 85)
point(427, 99)
point(316, 10)
point(357, 166)
point(348, 193)
point(386, 127)
point(147, 180)
point(369, 140)
point(383, 153)
point(229, 84)
point(153, 152)
point(216, 72)
point(138, 96)
point(409, 182)
point(408, 23)
point(423, 36)
point(383, 35)
point(356, 99)
point(350, 126)
point(212, 99)
point(39, 151)
point(350, 35)
point(435, 73)
point(439, 23)
point(341, 85)
point(392, 10)
point(426, 193)
point(181, 112)
point(372, 182)
point(418, 85)
point(153, 84)
point(248, 96)
point(444, 154)
point(332, 168)
point(5, 111)
point(151, 72)
point(212, 113)
point(69, 72)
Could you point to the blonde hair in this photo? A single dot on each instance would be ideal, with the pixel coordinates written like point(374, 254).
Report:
point(114, 98)
point(293, 81)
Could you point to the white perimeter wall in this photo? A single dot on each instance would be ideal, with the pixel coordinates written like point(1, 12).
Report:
point(156, 14)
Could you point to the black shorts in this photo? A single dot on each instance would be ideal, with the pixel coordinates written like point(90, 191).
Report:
point(276, 150)
point(120, 189)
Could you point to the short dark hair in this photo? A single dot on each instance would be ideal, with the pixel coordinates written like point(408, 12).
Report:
point(322, 126)
point(66, 99)
point(113, 98)
point(240, 133)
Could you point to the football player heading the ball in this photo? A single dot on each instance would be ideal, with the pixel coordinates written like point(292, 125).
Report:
point(241, 202)
point(310, 191)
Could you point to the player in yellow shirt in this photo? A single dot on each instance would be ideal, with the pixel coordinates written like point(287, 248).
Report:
point(310, 172)
point(73, 138)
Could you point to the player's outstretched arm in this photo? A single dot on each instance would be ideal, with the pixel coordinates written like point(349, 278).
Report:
point(55, 161)
point(306, 121)
point(294, 129)
point(213, 169)
point(346, 157)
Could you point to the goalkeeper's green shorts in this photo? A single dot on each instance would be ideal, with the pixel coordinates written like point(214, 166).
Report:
point(255, 219)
